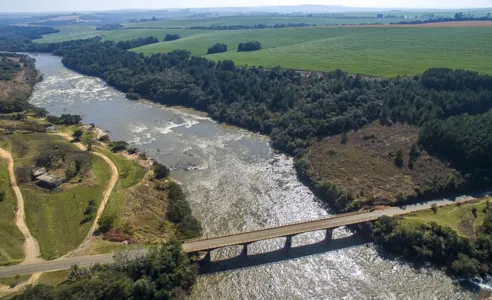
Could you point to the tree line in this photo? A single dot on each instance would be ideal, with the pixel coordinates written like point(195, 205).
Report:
point(289, 107)
point(439, 244)
point(256, 26)
point(457, 17)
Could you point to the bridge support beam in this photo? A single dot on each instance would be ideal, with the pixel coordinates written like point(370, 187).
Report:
point(329, 235)
point(244, 252)
point(288, 242)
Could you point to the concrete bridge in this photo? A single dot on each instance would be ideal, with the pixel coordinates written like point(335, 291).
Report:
point(289, 231)
point(209, 244)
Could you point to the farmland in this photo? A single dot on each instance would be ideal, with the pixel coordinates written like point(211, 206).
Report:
point(382, 52)
point(375, 50)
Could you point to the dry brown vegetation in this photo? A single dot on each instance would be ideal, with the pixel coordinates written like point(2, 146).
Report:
point(21, 85)
point(365, 165)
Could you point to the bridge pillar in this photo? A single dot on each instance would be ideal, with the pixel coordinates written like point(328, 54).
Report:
point(288, 242)
point(207, 258)
point(329, 235)
point(245, 249)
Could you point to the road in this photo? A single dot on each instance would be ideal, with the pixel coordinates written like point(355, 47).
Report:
point(236, 239)
point(31, 245)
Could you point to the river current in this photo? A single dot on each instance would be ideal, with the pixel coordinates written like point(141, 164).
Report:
point(235, 182)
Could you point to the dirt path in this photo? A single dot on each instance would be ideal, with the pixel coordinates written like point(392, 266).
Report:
point(107, 192)
point(6, 290)
point(31, 246)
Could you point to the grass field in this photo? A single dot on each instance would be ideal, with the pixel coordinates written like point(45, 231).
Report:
point(382, 52)
point(129, 171)
point(458, 217)
point(11, 239)
point(54, 278)
point(54, 217)
point(269, 21)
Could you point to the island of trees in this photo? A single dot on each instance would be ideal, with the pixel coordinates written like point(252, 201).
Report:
point(249, 46)
point(217, 48)
point(171, 37)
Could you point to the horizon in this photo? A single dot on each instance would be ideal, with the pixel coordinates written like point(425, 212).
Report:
point(148, 5)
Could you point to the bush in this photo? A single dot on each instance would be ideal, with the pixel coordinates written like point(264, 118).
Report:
point(171, 37)
point(119, 146)
point(399, 159)
point(132, 150)
point(217, 48)
point(133, 96)
point(105, 139)
point(106, 223)
point(161, 171)
point(77, 134)
point(65, 119)
point(249, 46)
point(2, 196)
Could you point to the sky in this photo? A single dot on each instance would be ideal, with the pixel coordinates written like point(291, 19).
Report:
point(91, 5)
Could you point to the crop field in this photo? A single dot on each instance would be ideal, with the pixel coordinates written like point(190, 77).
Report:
point(382, 52)
point(68, 33)
point(11, 238)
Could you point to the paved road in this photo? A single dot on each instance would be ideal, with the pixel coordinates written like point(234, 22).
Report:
point(237, 239)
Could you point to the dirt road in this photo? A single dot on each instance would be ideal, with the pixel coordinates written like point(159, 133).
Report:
point(31, 246)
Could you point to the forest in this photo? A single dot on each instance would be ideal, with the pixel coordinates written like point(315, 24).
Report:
point(292, 108)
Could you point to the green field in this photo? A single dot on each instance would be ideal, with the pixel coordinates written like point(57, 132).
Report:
point(11, 239)
point(454, 216)
point(269, 21)
point(369, 51)
point(54, 218)
point(70, 33)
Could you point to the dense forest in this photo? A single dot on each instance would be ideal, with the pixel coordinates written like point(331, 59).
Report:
point(439, 244)
point(290, 107)
point(163, 273)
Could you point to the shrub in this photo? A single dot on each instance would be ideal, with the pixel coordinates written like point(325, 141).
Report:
point(434, 208)
point(119, 146)
point(65, 119)
point(106, 223)
point(171, 37)
point(343, 138)
point(77, 134)
point(399, 159)
point(249, 46)
point(217, 48)
point(105, 139)
point(132, 150)
point(161, 171)
point(2, 196)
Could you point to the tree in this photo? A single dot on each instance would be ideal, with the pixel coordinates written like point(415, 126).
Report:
point(118, 146)
point(434, 208)
point(161, 171)
point(466, 266)
point(88, 141)
point(380, 16)
point(77, 134)
point(2, 196)
point(106, 223)
point(217, 48)
point(344, 138)
point(171, 37)
point(399, 158)
point(249, 46)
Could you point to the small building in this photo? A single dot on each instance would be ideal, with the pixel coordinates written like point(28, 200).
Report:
point(49, 181)
point(36, 172)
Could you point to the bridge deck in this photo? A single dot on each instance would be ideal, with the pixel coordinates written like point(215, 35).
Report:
point(293, 229)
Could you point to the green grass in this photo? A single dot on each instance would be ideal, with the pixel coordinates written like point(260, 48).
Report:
point(68, 33)
point(54, 278)
point(130, 173)
point(449, 216)
point(11, 239)
point(54, 217)
point(382, 52)
point(15, 280)
point(251, 21)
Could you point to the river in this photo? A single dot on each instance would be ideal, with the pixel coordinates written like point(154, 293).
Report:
point(236, 182)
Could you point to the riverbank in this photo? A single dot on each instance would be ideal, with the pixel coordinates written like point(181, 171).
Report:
point(239, 184)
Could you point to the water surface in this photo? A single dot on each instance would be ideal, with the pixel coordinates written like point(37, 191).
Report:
point(235, 182)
